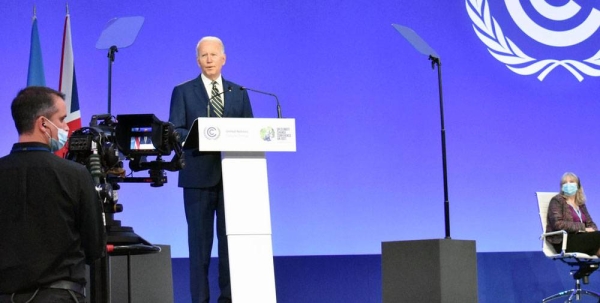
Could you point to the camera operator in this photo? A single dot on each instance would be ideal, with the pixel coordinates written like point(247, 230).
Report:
point(51, 217)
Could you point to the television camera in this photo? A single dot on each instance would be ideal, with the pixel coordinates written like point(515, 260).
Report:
point(104, 145)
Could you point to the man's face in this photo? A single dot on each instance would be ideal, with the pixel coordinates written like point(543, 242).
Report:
point(59, 117)
point(211, 58)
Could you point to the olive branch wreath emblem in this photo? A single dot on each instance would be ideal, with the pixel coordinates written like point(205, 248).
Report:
point(506, 51)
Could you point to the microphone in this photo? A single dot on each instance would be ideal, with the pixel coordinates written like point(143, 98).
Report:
point(265, 93)
point(210, 99)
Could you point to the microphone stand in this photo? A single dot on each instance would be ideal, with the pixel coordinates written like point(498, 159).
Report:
point(436, 61)
point(208, 108)
point(278, 108)
point(276, 99)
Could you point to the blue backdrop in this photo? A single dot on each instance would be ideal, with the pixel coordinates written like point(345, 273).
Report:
point(369, 166)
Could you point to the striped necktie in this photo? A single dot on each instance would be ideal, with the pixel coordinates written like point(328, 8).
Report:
point(216, 101)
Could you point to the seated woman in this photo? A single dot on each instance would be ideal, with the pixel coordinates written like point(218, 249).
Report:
point(567, 211)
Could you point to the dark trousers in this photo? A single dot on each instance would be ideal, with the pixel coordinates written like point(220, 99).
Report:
point(45, 295)
point(201, 206)
point(587, 243)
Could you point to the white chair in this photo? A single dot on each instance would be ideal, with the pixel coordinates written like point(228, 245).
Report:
point(583, 264)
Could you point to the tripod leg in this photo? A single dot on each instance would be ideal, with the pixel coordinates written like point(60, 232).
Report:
point(100, 281)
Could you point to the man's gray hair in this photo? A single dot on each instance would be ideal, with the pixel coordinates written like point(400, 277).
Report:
point(210, 38)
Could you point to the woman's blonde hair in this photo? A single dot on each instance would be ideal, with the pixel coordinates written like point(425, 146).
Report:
point(579, 195)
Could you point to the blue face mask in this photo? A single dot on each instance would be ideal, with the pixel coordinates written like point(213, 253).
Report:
point(63, 135)
point(569, 189)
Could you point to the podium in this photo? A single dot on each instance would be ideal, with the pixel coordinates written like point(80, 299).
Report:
point(243, 143)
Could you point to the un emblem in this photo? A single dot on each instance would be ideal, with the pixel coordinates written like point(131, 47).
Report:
point(506, 51)
point(212, 133)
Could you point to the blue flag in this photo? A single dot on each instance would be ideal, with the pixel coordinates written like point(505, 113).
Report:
point(35, 74)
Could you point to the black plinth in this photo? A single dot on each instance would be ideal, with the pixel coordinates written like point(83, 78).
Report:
point(148, 275)
point(429, 271)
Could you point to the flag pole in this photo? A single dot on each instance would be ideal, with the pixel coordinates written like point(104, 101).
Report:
point(35, 70)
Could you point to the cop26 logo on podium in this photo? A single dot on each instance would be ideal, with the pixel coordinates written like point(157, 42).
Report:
point(559, 33)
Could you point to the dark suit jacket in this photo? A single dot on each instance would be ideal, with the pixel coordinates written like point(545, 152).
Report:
point(188, 102)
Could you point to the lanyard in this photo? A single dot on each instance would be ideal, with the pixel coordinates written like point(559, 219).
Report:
point(32, 148)
point(578, 212)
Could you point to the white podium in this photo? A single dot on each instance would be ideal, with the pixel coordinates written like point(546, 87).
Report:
point(243, 143)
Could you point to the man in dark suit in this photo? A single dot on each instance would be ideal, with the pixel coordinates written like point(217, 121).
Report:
point(201, 178)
